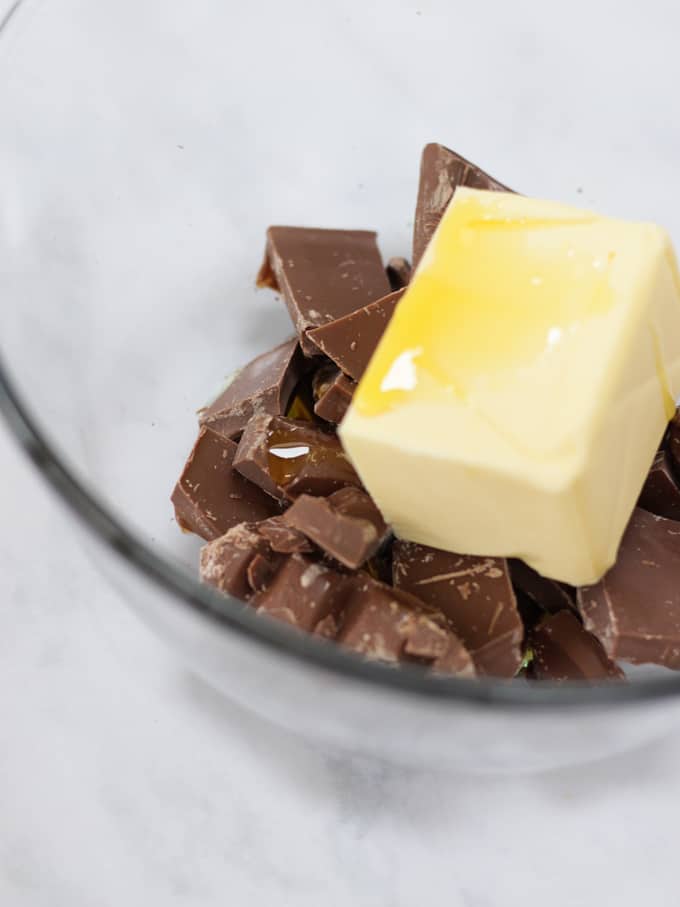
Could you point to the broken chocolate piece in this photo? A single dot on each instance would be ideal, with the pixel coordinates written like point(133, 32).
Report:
point(398, 273)
point(347, 525)
point(390, 625)
point(563, 650)
point(441, 172)
point(265, 385)
point(660, 493)
point(635, 609)
point(302, 593)
point(226, 561)
point(673, 442)
point(336, 398)
point(549, 594)
point(287, 458)
point(322, 274)
point(322, 379)
point(351, 341)
point(283, 538)
point(210, 497)
point(530, 613)
point(475, 594)
point(261, 571)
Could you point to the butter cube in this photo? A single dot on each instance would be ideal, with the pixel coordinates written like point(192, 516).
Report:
point(517, 397)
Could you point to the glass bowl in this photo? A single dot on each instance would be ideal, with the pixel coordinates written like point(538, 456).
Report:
point(145, 148)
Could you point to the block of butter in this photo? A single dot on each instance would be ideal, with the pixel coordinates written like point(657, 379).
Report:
point(517, 397)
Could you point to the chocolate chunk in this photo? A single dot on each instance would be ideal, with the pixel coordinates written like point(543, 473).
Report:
point(441, 172)
point(549, 594)
point(564, 650)
point(475, 594)
point(226, 561)
point(336, 399)
point(390, 625)
point(261, 571)
point(673, 442)
point(660, 493)
point(530, 613)
point(287, 458)
point(265, 385)
point(210, 497)
point(635, 609)
point(347, 525)
point(351, 341)
point(322, 379)
point(322, 274)
point(380, 565)
point(302, 593)
point(283, 538)
point(398, 273)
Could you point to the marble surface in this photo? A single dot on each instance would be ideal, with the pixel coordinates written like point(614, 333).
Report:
point(124, 780)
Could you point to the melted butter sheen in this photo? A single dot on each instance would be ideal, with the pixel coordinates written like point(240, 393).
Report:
point(493, 295)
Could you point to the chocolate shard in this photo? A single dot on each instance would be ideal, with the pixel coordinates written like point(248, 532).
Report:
point(322, 379)
point(261, 571)
point(336, 399)
point(322, 274)
point(635, 609)
point(564, 651)
point(661, 493)
point(287, 458)
point(302, 593)
point(398, 272)
point(351, 341)
point(283, 538)
point(226, 561)
point(441, 172)
point(549, 594)
point(346, 525)
point(388, 624)
point(210, 497)
point(673, 441)
point(265, 385)
point(475, 594)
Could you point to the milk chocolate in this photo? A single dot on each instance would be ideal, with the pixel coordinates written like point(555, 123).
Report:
point(398, 272)
point(661, 493)
point(564, 651)
point(336, 399)
point(673, 442)
point(226, 561)
point(351, 341)
point(322, 274)
point(288, 458)
point(550, 595)
point(261, 572)
point(210, 497)
point(265, 385)
point(302, 593)
point(346, 525)
point(390, 625)
point(441, 172)
point(635, 609)
point(322, 379)
point(475, 594)
point(283, 538)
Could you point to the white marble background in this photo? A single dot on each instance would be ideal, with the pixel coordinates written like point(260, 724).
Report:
point(125, 781)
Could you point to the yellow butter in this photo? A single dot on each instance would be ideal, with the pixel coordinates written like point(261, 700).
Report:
point(516, 400)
